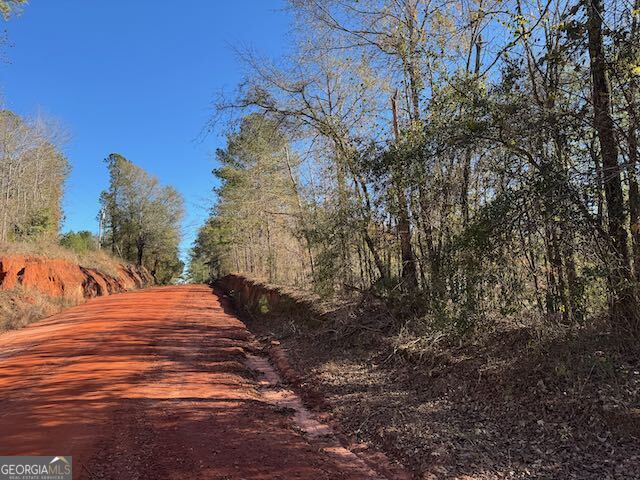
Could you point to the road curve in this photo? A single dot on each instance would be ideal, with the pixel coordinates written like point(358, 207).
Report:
point(152, 384)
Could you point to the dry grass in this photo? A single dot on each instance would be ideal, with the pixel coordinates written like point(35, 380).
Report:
point(98, 259)
point(20, 307)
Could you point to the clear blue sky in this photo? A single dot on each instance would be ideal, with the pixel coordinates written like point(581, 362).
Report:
point(136, 77)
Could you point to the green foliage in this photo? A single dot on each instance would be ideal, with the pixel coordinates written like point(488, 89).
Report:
point(263, 305)
point(79, 242)
point(475, 165)
point(143, 219)
point(208, 250)
point(252, 228)
point(37, 225)
point(168, 268)
point(32, 176)
point(198, 271)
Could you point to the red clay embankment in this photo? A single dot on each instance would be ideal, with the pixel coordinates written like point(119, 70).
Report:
point(63, 279)
point(256, 296)
point(34, 287)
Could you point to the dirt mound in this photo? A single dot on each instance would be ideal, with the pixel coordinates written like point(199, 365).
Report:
point(65, 280)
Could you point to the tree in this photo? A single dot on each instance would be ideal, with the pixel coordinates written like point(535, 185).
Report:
point(260, 220)
point(142, 218)
point(32, 176)
point(470, 177)
point(623, 300)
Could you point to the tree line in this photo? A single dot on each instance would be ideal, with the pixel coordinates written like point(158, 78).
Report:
point(477, 155)
point(32, 171)
point(141, 218)
point(32, 174)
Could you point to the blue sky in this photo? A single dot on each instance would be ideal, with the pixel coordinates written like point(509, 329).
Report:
point(136, 77)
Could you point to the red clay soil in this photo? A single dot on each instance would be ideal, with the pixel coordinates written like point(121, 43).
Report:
point(156, 384)
point(63, 279)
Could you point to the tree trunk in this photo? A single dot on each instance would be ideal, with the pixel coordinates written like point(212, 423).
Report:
point(140, 248)
point(622, 301)
point(409, 277)
point(634, 199)
point(632, 145)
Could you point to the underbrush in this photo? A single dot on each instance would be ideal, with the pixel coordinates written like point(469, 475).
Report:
point(20, 307)
point(96, 259)
point(513, 397)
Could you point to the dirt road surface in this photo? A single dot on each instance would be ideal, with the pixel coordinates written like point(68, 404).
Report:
point(158, 384)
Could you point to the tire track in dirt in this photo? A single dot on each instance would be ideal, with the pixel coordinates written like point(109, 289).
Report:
point(156, 384)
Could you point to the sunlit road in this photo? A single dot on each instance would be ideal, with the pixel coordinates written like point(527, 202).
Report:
point(150, 384)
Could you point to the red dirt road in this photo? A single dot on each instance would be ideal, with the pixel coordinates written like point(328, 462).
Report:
point(153, 384)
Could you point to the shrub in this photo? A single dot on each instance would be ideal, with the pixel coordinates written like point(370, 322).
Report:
point(79, 242)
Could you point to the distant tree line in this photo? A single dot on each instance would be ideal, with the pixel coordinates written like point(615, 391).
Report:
point(142, 219)
point(474, 156)
point(80, 242)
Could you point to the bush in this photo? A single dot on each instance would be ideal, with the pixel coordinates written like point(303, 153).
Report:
point(79, 242)
point(38, 225)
